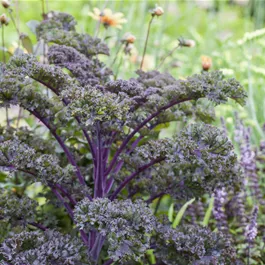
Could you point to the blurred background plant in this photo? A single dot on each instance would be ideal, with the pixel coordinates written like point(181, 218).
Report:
point(190, 37)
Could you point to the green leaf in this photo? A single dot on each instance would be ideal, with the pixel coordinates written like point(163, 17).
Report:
point(171, 212)
point(26, 42)
point(181, 213)
point(208, 212)
point(151, 256)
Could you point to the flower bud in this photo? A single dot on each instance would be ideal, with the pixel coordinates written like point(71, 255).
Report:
point(128, 48)
point(206, 63)
point(158, 11)
point(176, 64)
point(128, 38)
point(188, 43)
point(6, 3)
point(4, 19)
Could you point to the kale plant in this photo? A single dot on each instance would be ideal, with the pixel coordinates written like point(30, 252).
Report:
point(105, 162)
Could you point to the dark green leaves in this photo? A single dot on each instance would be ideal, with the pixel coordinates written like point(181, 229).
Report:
point(43, 248)
point(59, 28)
point(126, 225)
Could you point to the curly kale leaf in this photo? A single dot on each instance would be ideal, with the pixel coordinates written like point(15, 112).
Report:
point(210, 85)
point(194, 162)
point(92, 105)
point(43, 248)
point(126, 225)
point(18, 156)
point(88, 71)
point(26, 65)
point(16, 210)
point(192, 245)
point(29, 137)
point(59, 28)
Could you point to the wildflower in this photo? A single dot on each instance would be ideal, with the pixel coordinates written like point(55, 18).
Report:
point(186, 43)
point(176, 64)
point(251, 229)
point(4, 19)
point(128, 38)
point(157, 11)
point(6, 3)
point(219, 211)
point(206, 63)
point(128, 48)
point(108, 18)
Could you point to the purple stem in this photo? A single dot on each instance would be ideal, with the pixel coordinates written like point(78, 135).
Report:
point(133, 175)
point(109, 185)
point(108, 262)
point(140, 126)
point(155, 197)
point(40, 226)
point(99, 177)
point(64, 192)
point(84, 237)
point(22, 170)
point(61, 199)
point(77, 118)
point(97, 246)
point(121, 162)
point(70, 212)
point(64, 147)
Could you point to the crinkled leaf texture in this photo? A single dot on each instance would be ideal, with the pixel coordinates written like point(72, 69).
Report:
point(43, 248)
point(103, 156)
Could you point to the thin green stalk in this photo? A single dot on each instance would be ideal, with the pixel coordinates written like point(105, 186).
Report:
point(14, 23)
point(167, 55)
point(19, 116)
point(248, 247)
point(116, 55)
point(118, 68)
point(99, 22)
point(4, 59)
point(3, 44)
point(146, 40)
point(43, 8)
point(47, 6)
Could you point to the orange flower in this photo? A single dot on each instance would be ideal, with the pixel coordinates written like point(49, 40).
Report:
point(108, 18)
point(128, 38)
point(206, 63)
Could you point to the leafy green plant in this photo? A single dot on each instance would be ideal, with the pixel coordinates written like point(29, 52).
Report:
point(104, 162)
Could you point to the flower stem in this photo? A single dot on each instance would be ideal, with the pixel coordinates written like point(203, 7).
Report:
point(43, 8)
point(116, 55)
point(4, 59)
point(146, 41)
point(118, 68)
point(3, 44)
point(14, 23)
point(167, 55)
